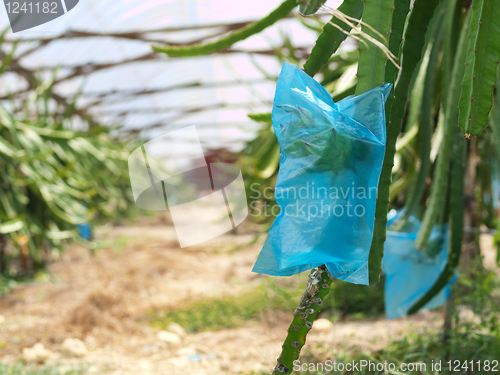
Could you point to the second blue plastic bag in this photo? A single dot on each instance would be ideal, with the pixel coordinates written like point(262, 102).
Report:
point(331, 157)
point(410, 273)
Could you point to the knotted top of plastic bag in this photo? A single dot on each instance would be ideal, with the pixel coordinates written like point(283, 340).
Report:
point(330, 162)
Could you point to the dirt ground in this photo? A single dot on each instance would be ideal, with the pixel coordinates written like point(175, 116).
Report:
point(104, 301)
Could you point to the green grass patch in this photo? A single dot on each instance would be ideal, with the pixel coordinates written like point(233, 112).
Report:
point(356, 301)
point(419, 350)
point(273, 294)
point(118, 245)
point(475, 336)
point(225, 312)
point(19, 368)
point(7, 285)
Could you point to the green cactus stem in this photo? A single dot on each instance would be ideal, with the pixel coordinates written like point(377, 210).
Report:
point(318, 287)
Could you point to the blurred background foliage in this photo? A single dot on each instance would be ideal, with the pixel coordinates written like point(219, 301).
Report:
point(53, 177)
point(63, 167)
point(60, 167)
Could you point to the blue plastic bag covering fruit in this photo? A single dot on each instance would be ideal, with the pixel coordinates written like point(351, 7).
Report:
point(409, 272)
point(495, 186)
point(330, 162)
point(84, 230)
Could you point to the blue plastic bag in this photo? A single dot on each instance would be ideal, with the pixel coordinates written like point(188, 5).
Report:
point(495, 186)
point(84, 230)
point(330, 162)
point(410, 273)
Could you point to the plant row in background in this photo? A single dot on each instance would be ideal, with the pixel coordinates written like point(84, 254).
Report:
point(53, 177)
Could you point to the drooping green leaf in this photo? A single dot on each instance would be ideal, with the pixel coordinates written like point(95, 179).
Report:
point(11, 226)
point(440, 181)
point(331, 37)
point(422, 13)
point(483, 56)
point(260, 117)
point(377, 15)
point(457, 224)
point(308, 7)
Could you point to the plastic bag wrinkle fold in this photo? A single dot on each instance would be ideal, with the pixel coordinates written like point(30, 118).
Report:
point(331, 157)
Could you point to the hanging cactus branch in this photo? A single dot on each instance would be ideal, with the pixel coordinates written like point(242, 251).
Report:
point(308, 7)
point(352, 22)
point(372, 61)
point(318, 287)
point(204, 49)
point(412, 50)
point(332, 36)
point(440, 183)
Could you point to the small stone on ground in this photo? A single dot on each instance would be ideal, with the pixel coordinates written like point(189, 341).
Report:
point(322, 325)
point(36, 354)
point(176, 328)
point(169, 337)
point(74, 347)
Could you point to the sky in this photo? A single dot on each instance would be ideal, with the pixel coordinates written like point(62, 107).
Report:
point(217, 128)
